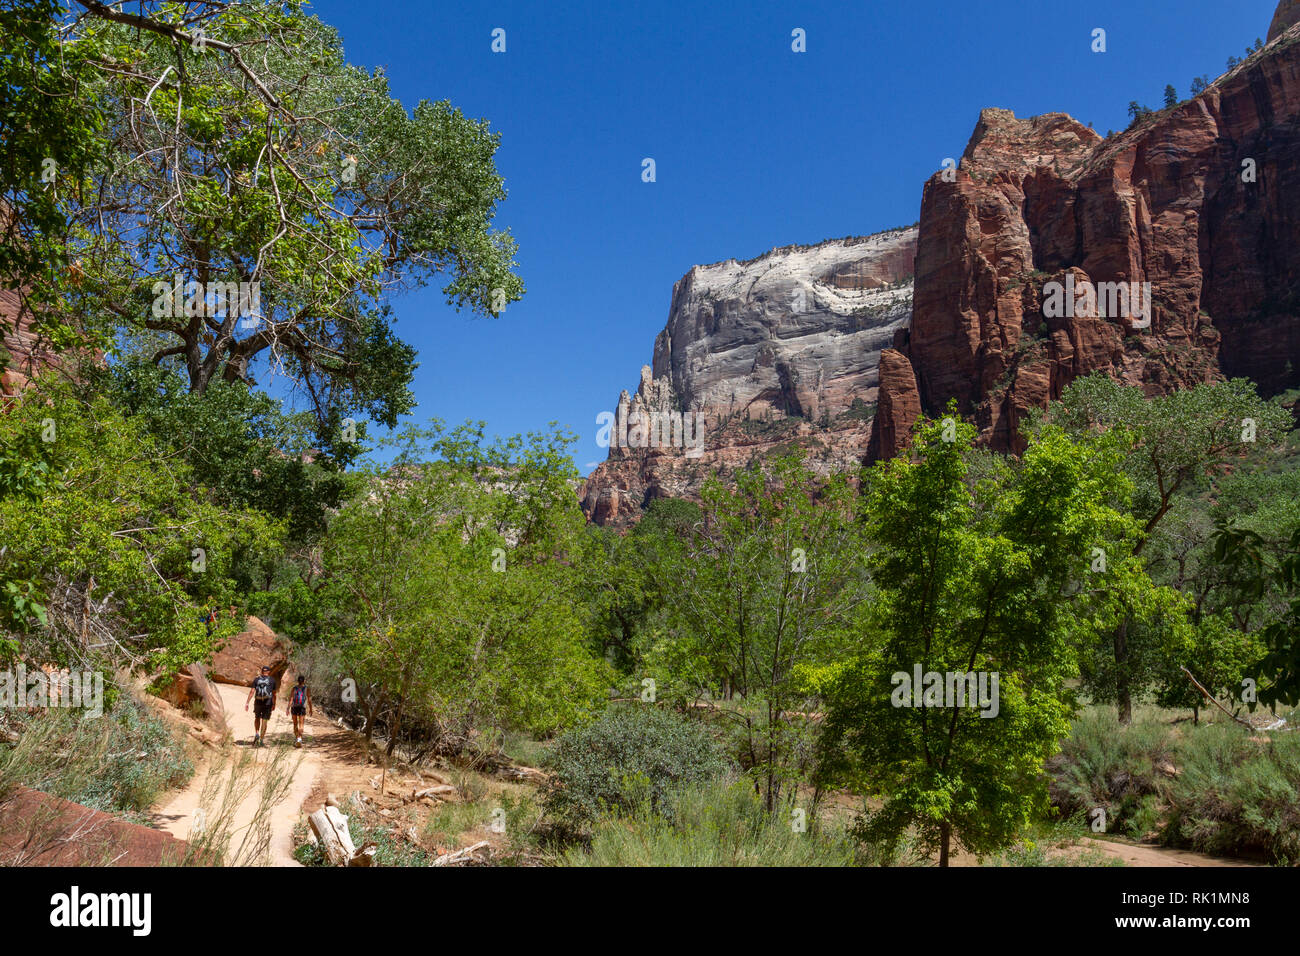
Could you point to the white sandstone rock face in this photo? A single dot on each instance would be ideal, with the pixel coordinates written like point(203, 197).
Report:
point(796, 332)
point(782, 349)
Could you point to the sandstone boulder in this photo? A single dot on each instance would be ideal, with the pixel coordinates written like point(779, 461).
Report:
point(37, 829)
point(241, 658)
point(191, 686)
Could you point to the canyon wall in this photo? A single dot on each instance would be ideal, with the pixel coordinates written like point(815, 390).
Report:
point(775, 352)
point(839, 348)
point(21, 353)
point(1201, 200)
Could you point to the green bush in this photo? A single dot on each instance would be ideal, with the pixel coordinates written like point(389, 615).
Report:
point(1237, 794)
point(631, 755)
point(119, 762)
point(714, 824)
point(1105, 765)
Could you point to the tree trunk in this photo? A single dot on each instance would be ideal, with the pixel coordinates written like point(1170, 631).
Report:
point(945, 841)
point(397, 729)
point(1123, 692)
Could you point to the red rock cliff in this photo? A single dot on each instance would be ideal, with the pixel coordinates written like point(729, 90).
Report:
point(1171, 202)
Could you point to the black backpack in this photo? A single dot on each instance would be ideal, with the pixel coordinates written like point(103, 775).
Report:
point(262, 687)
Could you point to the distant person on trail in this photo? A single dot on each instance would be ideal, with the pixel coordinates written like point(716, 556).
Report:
point(299, 704)
point(263, 690)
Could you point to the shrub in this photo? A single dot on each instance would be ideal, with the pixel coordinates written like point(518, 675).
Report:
point(1237, 794)
point(714, 824)
point(629, 756)
point(1214, 788)
point(119, 762)
point(1105, 765)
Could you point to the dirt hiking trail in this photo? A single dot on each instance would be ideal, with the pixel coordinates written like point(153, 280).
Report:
point(321, 741)
point(333, 759)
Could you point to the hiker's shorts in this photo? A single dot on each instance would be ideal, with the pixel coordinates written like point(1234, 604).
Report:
point(298, 711)
point(262, 709)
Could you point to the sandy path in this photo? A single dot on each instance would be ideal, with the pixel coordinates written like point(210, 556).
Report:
point(177, 815)
point(1161, 856)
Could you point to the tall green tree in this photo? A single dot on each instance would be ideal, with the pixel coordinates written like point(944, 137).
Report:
point(976, 571)
point(235, 145)
point(770, 581)
point(628, 601)
point(465, 615)
point(1172, 446)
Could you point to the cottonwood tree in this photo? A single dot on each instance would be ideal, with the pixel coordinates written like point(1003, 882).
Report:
point(975, 570)
point(1172, 446)
point(769, 581)
point(464, 616)
point(235, 145)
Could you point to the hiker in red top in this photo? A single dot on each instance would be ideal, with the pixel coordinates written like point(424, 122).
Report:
point(299, 704)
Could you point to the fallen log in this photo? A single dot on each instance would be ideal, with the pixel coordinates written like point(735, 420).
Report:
point(331, 828)
point(432, 791)
point(1210, 698)
point(467, 855)
point(524, 775)
point(364, 856)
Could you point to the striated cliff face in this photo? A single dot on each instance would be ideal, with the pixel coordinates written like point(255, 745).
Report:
point(757, 355)
point(1201, 201)
point(796, 332)
point(1166, 256)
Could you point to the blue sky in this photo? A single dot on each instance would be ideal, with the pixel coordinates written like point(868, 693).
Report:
point(755, 147)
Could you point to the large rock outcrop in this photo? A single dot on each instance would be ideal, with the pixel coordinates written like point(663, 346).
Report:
point(241, 658)
point(191, 686)
point(37, 829)
point(1287, 16)
point(1201, 201)
point(760, 355)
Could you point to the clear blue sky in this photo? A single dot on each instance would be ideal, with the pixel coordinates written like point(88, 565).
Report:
point(756, 146)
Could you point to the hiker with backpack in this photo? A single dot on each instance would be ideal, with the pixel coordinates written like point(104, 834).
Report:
point(299, 705)
point(263, 690)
